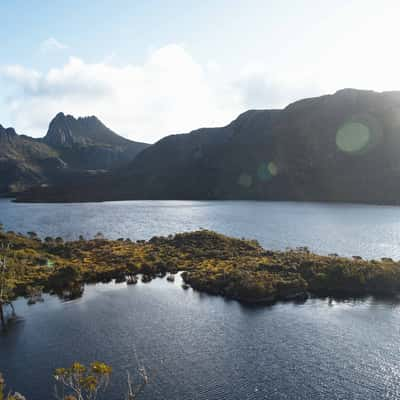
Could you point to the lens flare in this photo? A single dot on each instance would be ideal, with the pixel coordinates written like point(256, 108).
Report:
point(263, 172)
point(272, 168)
point(245, 180)
point(353, 137)
point(267, 171)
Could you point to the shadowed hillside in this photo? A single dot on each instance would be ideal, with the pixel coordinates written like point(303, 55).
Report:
point(25, 161)
point(340, 147)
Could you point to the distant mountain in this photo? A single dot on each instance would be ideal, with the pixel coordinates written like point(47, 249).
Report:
point(72, 150)
point(340, 147)
point(86, 143)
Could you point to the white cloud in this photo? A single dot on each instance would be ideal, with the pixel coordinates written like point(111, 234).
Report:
point(169, 93)
point(26, 78)
point(258, 89)
point(51, 44)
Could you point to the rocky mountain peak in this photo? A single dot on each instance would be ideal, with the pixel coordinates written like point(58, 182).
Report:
point(11, 132)
point(7, 133)
point(59, 132)
point(66, 130)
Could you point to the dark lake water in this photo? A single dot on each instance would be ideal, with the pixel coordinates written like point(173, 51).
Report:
point(347, 229)
point(202, 347)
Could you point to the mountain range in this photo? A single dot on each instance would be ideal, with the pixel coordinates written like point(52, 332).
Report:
point(340, 147)
point(71, 150)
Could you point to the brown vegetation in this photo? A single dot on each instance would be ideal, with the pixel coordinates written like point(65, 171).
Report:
point(214, 263)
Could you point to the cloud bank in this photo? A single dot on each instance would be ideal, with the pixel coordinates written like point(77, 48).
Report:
point(169, 93)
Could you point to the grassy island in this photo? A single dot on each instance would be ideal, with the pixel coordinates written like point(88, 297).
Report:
point(213, 263)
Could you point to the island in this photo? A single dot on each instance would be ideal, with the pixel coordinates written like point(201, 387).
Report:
point(210, 262)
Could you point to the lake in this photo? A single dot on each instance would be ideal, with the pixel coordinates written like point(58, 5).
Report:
point(197, 346)
point(347, 229)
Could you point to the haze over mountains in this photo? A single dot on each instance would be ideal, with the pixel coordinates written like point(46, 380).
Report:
point(340, 147)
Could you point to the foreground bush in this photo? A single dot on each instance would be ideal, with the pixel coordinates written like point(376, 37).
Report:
point(79, 382)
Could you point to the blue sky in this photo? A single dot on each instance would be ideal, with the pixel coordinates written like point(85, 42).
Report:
point(151, 68)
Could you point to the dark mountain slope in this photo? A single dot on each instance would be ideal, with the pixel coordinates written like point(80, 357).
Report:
point(178, 166)
point(341, 147)
point(25, 162)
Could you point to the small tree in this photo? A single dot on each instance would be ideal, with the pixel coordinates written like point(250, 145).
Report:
point(99, 236)
point(79, 382)
point(82, 383)
point(134, 389)
point(10, 396)
point(48, 240)
point(2, 385)
point(59, 241)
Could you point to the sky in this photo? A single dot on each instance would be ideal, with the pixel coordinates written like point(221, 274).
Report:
point(149, 68)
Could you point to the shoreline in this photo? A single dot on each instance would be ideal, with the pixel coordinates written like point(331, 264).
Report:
point(20, 198)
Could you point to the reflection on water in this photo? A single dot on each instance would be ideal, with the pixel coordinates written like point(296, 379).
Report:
point(70, 292)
